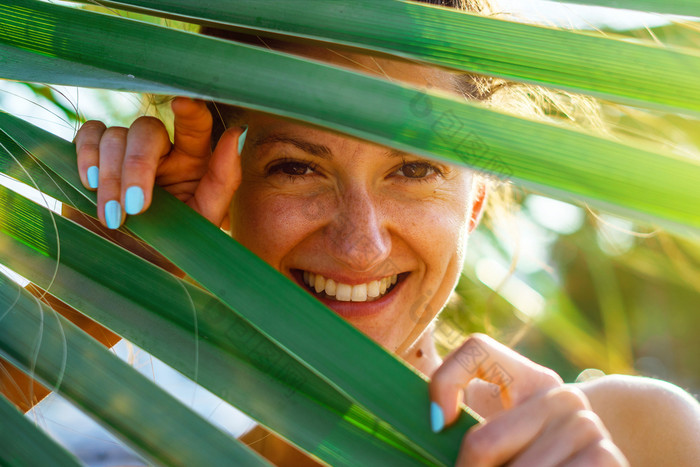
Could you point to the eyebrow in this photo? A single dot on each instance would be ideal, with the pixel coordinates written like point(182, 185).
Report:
point(396, 153)
point(319, 150)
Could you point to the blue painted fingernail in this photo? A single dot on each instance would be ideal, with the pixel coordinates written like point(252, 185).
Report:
point(113, 214)
point(93, 174)
point(134, 200)
point(437, 418)
point(241, 139)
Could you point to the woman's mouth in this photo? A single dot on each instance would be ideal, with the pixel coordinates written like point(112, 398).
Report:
point(352, 300)
point(327, 288)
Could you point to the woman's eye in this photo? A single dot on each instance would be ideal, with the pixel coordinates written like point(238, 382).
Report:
point(417, 170)
point(292, 168)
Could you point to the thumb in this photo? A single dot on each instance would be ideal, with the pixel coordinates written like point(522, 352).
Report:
point(213, 195)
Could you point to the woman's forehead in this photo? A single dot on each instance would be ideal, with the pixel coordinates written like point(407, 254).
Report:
point(272, 129)
point(393, 69)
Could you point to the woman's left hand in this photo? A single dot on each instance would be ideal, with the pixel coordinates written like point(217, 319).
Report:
point(532, 419)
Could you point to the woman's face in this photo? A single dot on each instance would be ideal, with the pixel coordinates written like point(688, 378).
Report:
point(376, 234)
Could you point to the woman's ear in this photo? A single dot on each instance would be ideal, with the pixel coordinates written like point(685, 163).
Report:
point(478, 202)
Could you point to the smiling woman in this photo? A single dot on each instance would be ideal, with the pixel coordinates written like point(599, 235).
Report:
point(371, 232)
point(379, 236)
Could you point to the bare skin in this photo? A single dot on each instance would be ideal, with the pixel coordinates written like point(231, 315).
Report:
point(392, 202)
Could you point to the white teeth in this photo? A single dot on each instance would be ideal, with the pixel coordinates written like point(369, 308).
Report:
point(331, 287)
point(320, 283)
point(359, 293)
point(346, 292)
point(373, 289)
point(343, 292)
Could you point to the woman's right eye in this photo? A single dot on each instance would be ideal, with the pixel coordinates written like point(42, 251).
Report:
point(292, 168)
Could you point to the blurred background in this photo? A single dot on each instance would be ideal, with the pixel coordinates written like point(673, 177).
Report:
point(580, 291)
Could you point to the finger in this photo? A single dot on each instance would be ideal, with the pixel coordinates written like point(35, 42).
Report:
point(515, 377)
point(87, 146)
point(147, 143)
point(213, 195)
point(508, 433)
point(564, 440)
point(601, 453)
point(112, 147)
point(193, 123)
point(479, 396)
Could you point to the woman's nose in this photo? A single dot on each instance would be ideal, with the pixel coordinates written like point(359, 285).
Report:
point(357, 235)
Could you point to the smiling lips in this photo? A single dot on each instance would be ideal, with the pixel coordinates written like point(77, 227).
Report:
point(368, 292)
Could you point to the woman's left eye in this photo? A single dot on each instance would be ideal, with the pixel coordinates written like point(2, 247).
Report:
point(292, 168)
point(419, 171)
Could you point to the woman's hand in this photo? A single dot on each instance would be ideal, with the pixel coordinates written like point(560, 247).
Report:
point(532, 418)
point(123, 164)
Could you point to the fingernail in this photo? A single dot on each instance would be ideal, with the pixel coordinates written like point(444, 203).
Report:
point(437, 419)
point(134, 200)
point(241, 139)
point(93, 174)
point(113, 214)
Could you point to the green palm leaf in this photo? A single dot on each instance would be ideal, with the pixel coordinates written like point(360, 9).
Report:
point(194, 333)
point(544, 157)
point(27, 445)
point(144, 292)
point(50, 348)
point(242, 281)
point(642, 74)
point(370, 422)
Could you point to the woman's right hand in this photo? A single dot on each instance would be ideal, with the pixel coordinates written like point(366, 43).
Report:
point(123, 164)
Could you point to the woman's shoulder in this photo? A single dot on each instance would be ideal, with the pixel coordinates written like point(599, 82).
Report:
point(639, 395)
point(654, 422)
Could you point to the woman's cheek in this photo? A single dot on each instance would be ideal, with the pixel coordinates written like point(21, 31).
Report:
point(439, 232)
point(271, 224)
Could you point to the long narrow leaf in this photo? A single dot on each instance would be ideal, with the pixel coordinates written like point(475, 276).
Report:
point(407, 139)
point(28, 445)
point(47, 346)
point(548, 158)
point(602, 66)
point(292, 318)
point(16, 162)
point(193, 332)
